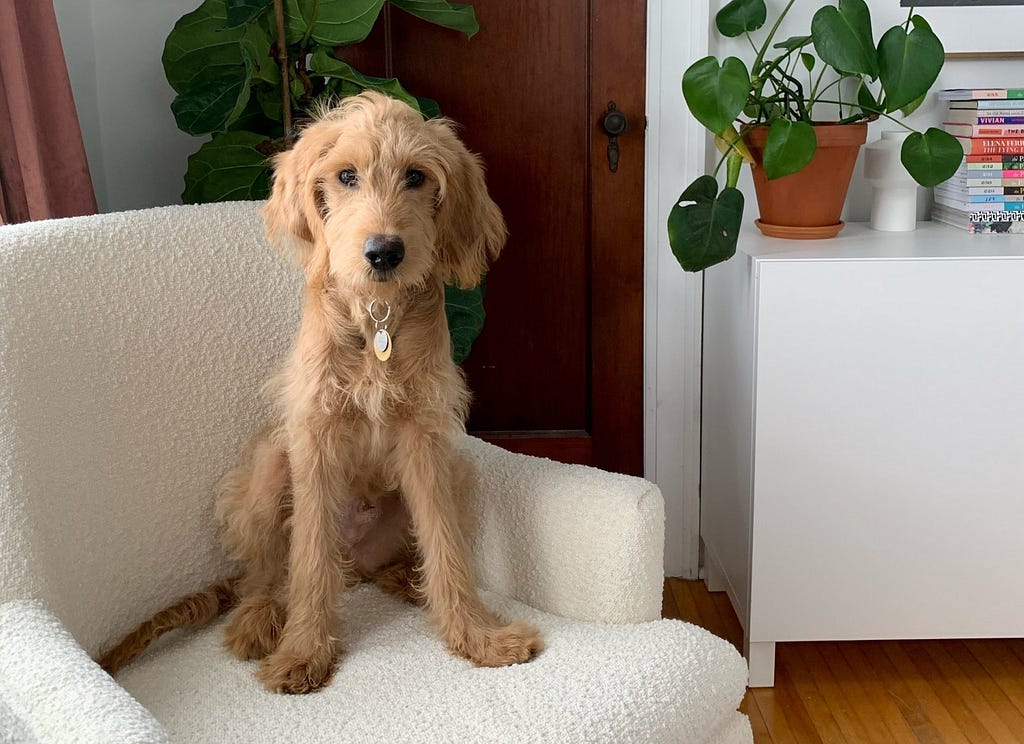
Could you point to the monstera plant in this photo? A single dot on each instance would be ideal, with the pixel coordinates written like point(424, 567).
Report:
point(246, 71)
point(779, 102)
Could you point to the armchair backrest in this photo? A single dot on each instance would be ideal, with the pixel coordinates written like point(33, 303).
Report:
point(133, 347)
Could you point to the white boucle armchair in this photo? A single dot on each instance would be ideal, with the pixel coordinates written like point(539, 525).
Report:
point(132, 351)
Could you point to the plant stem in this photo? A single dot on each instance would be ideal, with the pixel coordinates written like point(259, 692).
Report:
point(771, 35)
point(879, 112)
point(282, 61)
point(752, 46)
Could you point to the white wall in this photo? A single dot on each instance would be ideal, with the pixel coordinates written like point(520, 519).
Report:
point(136, 153)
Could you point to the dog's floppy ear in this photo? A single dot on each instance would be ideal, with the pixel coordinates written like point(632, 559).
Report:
point(293, 214)
point(470, 228)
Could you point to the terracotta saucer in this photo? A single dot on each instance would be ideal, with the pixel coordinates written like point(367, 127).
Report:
point(800, 233)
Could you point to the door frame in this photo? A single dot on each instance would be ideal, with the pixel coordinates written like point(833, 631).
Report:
point(677, 34)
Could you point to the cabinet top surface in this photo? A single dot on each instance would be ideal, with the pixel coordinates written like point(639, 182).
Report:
point(858, 242)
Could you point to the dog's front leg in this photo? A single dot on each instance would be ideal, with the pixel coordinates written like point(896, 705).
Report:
point(305, 657)
point(468, 628)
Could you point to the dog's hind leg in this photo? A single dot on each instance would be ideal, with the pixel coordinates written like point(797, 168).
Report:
point(253, 508)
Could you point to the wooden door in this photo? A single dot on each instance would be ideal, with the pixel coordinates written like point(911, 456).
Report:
point(558, 370)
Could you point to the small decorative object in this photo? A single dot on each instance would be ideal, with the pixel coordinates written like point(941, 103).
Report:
point(381, 337)
point(894, 203)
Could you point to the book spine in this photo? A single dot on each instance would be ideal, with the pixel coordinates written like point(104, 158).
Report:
point(985, 130)
point(993, 146)
point(969, 183)
point(981, 190)
point(980, 198)
point(974, 116)
point(986, 106)
point(981, 94)
point(1019, 158)
point(988, 170)
point(967, 206)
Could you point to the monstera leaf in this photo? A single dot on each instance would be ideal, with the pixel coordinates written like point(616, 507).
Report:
point(704, 231)
point(716, 93)
point(842, 37)
point(908, 64)
point(741, 16)
point(932, 157)
point(790, 146)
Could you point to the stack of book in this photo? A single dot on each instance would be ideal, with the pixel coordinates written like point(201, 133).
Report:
point(986, 194)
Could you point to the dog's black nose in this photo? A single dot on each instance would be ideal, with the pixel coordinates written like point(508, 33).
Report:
point(384, 252)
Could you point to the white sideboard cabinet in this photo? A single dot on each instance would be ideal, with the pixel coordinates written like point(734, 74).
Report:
point(863, 437)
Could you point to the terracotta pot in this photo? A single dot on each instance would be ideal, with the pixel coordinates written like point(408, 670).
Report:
point(808, 203)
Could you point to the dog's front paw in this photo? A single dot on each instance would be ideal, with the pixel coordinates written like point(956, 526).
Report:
point(498, 646)
point(296, 674)
point(254, 628)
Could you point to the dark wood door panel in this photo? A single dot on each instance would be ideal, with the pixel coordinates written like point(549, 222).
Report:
point(519, 90)
point(557, 370)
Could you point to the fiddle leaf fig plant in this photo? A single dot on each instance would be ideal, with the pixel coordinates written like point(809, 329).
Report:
point(785, 88)
point(244, 71)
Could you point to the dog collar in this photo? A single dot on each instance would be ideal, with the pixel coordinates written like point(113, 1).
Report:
point(382, 346)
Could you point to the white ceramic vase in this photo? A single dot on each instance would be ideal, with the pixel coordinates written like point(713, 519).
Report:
point(894, 202)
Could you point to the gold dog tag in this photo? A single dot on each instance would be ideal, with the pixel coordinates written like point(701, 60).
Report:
point(382, 345)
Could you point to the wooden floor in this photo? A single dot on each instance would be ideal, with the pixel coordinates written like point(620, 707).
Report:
point(873, 691)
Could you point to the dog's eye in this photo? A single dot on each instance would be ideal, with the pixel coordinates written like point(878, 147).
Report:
point(349, 177)
point(414, 178)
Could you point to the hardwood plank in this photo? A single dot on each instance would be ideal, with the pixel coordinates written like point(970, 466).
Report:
point(669, 610)
point(805, 676)
point(970, 693)
point(966, 722)
point(684, 601)
point(935, 711)
point(571, 446)
point(749, 707)
point(1003, 666)
point(996, 697)
point(850, 700)
point(874, 692)
point(909, 706)
point(873, 682)
point(733, 629)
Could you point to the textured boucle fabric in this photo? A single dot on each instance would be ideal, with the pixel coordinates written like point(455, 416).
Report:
point(132, 349)
point(568, 539)
point(663, 681)
point(51, 691)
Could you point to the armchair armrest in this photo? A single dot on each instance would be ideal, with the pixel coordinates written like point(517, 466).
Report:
point(51, 691)
point(567, 539)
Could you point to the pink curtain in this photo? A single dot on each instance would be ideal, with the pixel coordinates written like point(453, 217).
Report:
point(43, 170)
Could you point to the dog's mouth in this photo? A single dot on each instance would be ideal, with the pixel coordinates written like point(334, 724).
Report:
point(383, 275)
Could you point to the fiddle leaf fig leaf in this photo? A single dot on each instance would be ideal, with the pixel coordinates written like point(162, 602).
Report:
point(704, 225)
point(243, 11)
point(908, 64)
point(214, 104)
point(200, 47)
point(932, 157)
point(716, 94)
point(324, 63)
point(790, 146)
point(330, 22)
point(842, 38)
point(741, 16)
point(465, 311)
point(455, 16)
point(229, 167)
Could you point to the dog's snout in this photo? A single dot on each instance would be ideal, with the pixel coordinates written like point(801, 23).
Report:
point(384, 252)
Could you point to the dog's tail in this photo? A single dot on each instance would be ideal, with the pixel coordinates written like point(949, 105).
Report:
point(192, 611)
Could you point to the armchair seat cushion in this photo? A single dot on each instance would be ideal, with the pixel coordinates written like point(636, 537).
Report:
point(660, 681)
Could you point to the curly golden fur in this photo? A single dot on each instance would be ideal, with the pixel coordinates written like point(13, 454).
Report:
point(357, 478)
